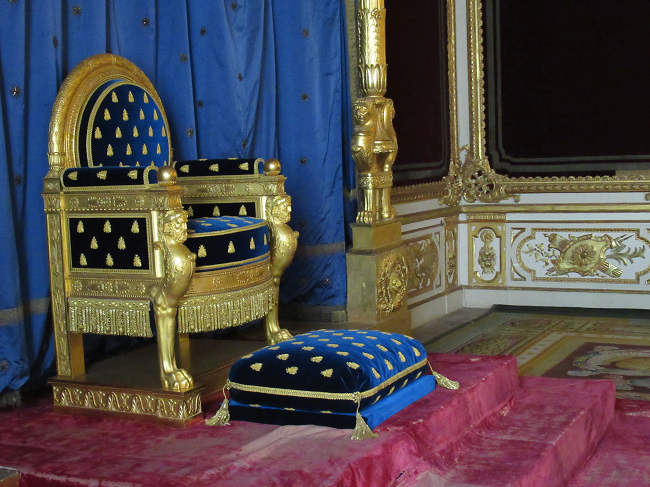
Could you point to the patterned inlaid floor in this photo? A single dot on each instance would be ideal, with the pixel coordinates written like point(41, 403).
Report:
point(564, 342)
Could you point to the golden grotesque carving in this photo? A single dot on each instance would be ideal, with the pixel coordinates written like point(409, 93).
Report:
point(283, 247)
point(166, 296)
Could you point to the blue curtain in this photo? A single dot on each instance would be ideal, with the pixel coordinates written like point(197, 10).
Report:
point(244, 78)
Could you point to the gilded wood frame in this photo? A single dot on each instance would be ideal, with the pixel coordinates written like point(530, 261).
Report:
point(478, 181)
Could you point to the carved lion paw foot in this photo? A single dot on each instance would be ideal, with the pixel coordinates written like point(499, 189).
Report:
point(177, 380)
point(278, 336)
point(365, 217)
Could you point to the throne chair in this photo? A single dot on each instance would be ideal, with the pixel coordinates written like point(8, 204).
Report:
point(200, 245)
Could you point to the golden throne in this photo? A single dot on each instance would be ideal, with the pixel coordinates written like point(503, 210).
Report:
point(122, 248)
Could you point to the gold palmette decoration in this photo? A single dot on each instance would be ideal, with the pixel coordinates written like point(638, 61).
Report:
point(374, 142)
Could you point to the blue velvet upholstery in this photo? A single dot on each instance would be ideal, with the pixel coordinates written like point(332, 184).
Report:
point(227, 241)
point(324, 377)
point(124, 127)
point(92, 177)
point(218, 167)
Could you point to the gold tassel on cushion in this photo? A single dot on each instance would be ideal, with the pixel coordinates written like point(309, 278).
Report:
point(222, 417)
point(443, 381)
point(361, 429)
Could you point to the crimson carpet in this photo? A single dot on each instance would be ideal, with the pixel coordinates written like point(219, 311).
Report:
point(496, 430)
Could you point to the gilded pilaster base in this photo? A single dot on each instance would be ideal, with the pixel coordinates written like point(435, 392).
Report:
point(377, 278)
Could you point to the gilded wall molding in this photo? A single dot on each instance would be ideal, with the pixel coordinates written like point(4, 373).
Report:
point(479, 181)
point(487, 251)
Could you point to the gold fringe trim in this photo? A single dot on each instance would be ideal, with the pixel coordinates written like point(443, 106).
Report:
point(216, 312)
point(361, 430)
point(110, 317)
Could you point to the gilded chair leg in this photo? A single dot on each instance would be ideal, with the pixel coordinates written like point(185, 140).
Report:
point(275, 334)
point(283, 247)
point(171, 376)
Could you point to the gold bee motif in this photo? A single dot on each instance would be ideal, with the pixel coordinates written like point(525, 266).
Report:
point(82, 260)
point(155, 114)
point(118, 133)
point(265, 240)
point(93, 244)
point(125, 115)
point(136, 261)
point(158, 150)
point(141, 114)
point(190, 211)
point(256, 367)
point(135, 132)
point(242, 211)
point(98, 133)
point(150, 131)
point(388, 364)
point(202, 252)
point(308, 348)
point(367, 355)
point(102, 175)
point(283, 356)
point(107, 114)
point(358, 344)
point(164, 132)
point(327, 373)
point(252, 244)
point(353, 365)
point(109, 260)
point(121, 244)
point(231, 247)
point(185, 168)
point(131, 99)
point(244, 166)
point(215, 211)
point(135, 228)
point(214, 168)
point(128, 150)
point(107, 226)
point(382, 348)
point(80, 226)
point(375, 373)
point(73, 175)
point(396, 341)
point(145, 151)
point(401, 356)
point(109, 150)
point(345, 354)
point(114, 97)
point(416, 352)
point(292, 370)
point(133, 174)
point(333, 345)
point(146, 98)
point(316, 359)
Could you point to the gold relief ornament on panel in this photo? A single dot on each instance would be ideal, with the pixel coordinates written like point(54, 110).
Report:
point(422, 260)
point(587, 255)
point(487, 257)
point(392, 283)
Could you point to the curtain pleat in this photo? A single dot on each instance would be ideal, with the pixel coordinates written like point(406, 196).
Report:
point(237, 79)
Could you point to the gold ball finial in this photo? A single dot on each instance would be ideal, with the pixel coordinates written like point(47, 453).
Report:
point(272, 167)
point(166, 175)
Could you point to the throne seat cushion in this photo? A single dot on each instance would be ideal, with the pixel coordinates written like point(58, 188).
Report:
point(326, 377)
point(227, 241)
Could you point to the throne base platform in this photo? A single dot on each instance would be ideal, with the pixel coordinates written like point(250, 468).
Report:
point(498, 429)
point(128, 385)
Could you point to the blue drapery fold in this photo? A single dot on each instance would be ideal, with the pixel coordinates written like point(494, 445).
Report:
point(237, 79)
